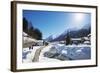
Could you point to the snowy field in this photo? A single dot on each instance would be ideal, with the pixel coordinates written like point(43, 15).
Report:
point(58, 52)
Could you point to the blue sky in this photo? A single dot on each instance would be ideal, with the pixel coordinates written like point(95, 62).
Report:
point(55, 23)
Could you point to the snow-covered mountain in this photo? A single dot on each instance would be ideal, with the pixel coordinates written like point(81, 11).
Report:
point(74, 33)
point(49, 38)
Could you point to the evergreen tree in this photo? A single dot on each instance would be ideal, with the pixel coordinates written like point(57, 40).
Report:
point(25, 25)
point(30, 30)
point(68, 39)
point(38, 34)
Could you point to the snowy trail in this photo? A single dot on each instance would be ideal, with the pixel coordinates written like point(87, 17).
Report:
point(37, 54)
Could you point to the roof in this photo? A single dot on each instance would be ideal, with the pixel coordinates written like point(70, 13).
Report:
point(75, 39)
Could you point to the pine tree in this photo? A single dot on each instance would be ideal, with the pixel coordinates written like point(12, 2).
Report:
point(25, 25)
point(68, 39)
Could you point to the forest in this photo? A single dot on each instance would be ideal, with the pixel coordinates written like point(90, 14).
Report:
point(31, 30)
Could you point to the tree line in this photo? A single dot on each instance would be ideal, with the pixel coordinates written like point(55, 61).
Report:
point(30, 30)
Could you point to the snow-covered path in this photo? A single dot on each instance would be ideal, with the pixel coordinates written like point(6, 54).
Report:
point(37, 54)
point(28, 55)
point(42, 58)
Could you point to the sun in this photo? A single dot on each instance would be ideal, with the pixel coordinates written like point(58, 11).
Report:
point(79, 17)
point(78, 20)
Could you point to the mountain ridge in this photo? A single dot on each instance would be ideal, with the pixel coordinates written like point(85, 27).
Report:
point(73, 33)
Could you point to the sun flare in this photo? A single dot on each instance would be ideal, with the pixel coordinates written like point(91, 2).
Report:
point(79, 17)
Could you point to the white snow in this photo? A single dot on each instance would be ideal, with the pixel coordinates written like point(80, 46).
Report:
point(75, 52)
point(64, 52)
point(31, 54)
point(27, 39)
point(46, 59)
point(24, 34)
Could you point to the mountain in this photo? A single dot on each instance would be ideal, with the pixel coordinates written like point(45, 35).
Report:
point(49, 38)
point(73, 33)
